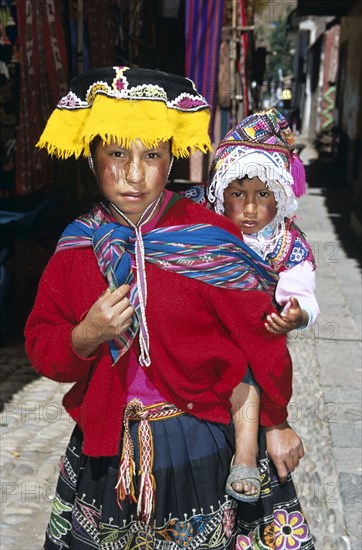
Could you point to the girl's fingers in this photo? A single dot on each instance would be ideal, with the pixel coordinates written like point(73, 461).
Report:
point(301, 451)
point(117, 295)
point(282, 471)
point(122, 309)
point(124, 321)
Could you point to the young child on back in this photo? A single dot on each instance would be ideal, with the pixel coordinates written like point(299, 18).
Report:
point(254, 180)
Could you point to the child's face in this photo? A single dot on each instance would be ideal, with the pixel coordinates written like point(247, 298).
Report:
point(249, 204)
point(132, 177)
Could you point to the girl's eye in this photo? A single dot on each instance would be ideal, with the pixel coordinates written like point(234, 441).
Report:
point(117, 154)
point(236, 194)
point(264, 194)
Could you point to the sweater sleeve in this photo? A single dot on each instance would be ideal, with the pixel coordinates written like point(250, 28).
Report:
point(50, 324)
point(243, 313)
point(300, 282)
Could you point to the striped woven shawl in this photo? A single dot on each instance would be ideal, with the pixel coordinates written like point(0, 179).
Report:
point(202, 251)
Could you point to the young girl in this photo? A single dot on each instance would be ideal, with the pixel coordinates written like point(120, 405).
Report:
point(254, 181)
point(144, 325)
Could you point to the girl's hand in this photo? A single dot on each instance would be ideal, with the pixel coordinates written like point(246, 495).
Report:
point(109, 317)
point(291, 318)
point(285, 448)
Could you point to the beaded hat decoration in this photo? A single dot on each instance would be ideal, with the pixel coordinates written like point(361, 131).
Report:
point(123, 104)
point(262, 146)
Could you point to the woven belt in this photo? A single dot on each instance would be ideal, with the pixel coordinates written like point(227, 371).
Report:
point(147, 485)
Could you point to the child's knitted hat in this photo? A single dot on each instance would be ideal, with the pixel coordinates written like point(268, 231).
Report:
point(123, 104)
point(260, 146)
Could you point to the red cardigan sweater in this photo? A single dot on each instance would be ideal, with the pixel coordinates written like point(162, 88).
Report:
point(201, 340)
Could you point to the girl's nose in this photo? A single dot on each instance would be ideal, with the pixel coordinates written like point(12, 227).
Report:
point(134, 172)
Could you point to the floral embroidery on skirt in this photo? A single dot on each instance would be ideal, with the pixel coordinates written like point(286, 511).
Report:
point(191, 464)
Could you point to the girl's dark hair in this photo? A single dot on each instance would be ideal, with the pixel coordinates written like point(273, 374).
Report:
point(93, 145)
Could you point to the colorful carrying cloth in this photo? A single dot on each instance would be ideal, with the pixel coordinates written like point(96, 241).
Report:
point(203, 252)
point(262, 146)
point(285, 252)
point(123, 104)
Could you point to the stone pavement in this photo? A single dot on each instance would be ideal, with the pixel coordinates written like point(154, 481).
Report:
point(325, 410)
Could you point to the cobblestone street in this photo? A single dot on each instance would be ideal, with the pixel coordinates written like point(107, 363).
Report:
point(325, 411)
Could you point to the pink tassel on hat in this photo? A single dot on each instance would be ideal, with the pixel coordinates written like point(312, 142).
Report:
point(298, 173)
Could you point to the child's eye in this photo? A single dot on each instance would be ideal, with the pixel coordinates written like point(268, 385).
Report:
point(264, 194)
point(236, 194)
point(117, 154)
point(153, 155)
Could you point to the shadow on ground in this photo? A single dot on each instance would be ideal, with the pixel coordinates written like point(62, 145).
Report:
point(15, 369)
point(326, 175)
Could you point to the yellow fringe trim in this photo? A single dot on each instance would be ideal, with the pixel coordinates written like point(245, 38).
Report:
point(69, 133)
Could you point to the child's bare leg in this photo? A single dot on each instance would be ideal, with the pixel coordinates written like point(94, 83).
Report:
point(245, 412)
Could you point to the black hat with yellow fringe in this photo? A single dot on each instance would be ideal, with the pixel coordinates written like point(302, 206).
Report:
point(123, 104)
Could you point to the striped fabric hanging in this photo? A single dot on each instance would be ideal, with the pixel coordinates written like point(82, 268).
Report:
point(203, 36)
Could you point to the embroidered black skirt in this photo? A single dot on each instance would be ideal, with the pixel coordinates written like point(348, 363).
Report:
point(190, 465)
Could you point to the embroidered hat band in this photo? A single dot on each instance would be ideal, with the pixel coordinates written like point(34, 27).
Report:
point(123, 104)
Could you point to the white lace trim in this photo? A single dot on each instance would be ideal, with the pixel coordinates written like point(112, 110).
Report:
point(268, 167)
point(183, 102)
point(263, 245)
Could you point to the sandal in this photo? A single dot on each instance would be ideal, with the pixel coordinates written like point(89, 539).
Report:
point(243, 473)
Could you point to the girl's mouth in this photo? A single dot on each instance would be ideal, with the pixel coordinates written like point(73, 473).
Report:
point(132, 196)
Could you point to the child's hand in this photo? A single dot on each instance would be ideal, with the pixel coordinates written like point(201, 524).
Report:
point(109, 317)
point(291, 318)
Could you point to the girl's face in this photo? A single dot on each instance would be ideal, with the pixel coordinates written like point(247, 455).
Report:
point(132, 178)
point(249, 204)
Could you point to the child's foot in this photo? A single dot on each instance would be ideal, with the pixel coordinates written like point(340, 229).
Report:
point(245, 485)
point(243, 482)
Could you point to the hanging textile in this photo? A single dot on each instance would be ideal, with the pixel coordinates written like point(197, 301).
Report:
point(224, 81)
point(203, 36)
point(43, 80)
point(330, 69)
point(9, 83)
point(242, 63)
point(92, 34)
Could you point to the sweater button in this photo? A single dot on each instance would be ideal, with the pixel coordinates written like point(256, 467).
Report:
point(190, 405)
